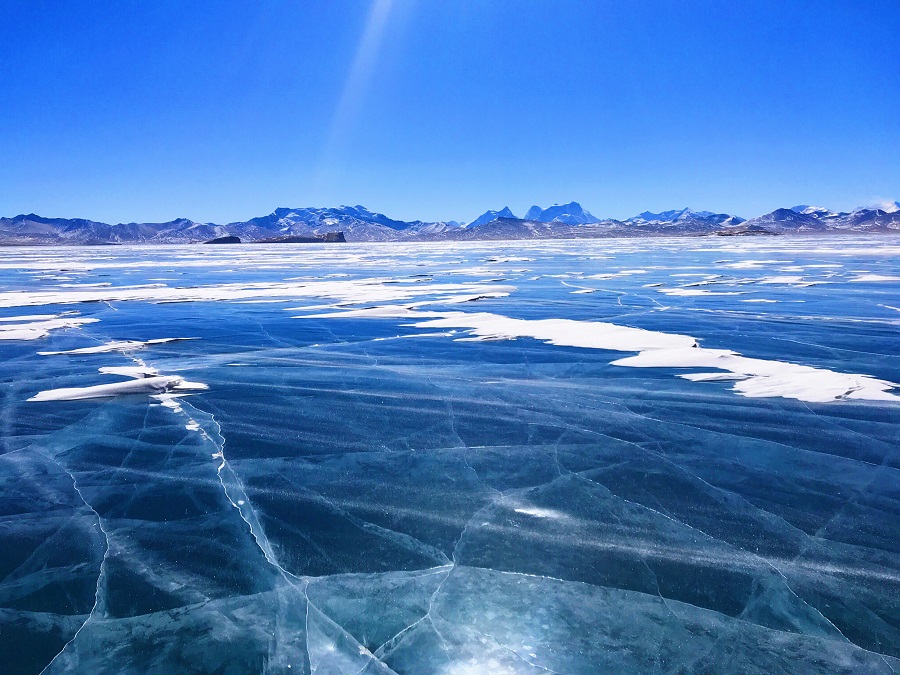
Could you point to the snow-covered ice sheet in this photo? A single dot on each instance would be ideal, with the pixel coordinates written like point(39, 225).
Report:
point(542, 480)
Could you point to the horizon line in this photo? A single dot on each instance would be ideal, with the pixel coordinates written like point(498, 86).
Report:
point(878, 205)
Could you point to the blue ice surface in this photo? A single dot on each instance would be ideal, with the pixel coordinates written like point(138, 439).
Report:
point(351, 499)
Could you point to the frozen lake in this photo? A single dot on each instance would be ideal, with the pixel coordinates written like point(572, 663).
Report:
point(520, 457)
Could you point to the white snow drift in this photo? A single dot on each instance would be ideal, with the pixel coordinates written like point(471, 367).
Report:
point(752, 377)
point(37, 326)
point(145, 381)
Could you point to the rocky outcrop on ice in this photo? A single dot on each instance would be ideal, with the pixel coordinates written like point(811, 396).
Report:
point(228, 239)
point(325, 238)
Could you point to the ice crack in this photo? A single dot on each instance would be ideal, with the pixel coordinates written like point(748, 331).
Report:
point(100, 576)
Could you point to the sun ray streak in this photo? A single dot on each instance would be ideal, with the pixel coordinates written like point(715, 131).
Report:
point(354, 90)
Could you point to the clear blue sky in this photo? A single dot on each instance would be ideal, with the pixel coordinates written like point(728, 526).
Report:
point(440, 109)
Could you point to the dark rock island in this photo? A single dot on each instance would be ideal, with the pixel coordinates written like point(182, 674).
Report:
point(230, 239)
point(324, 238)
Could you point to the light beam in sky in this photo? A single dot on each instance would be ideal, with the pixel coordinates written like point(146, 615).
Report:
point(354, 90)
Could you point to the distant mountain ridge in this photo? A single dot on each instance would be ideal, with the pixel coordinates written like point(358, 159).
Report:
point(570, 214)
point(488, 216)
point(560, 221)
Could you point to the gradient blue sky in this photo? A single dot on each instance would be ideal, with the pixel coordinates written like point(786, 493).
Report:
point(221, 111)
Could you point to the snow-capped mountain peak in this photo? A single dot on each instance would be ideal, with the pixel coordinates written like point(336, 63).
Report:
point(488, 216)
point(817, 211)
point(358, 224)
point(683, 216)
point(570, 214)
point(887, 206)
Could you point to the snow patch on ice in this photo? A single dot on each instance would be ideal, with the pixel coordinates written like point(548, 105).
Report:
point(875, 277)
point(561, 332)
point(117, 346)
point(712, 377)
point(753, 377)
point(144, 380)
point(138, 372)
point(160, 384)
point(763, 378)
point(686, 292)
point(755, 264)
point(353, 291)
point(538, 512)
point(38, 326)
point(30, 317)
point(790, 280)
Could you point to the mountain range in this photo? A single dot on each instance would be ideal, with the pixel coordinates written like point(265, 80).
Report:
point(560, 221)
